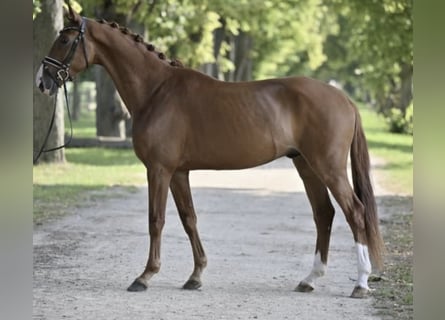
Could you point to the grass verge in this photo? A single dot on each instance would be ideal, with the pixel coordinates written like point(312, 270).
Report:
point(58, 188)
point(393, 297)
point(85, 126)
point(395, 172)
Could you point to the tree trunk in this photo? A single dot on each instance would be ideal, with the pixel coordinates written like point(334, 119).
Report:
point(46, 26)
point(230, 75)
point(76, 100)
point(212, 69)
point(110, 115)
point(243, 62)
point(406, 90)
point(240, 48)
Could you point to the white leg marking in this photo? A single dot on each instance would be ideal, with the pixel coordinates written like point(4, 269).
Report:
point(363, 265)
point(318, 270)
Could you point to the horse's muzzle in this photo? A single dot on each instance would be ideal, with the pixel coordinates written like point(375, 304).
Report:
point(45, 83)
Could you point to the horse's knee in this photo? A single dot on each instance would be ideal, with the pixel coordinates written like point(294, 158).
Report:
point(156, 225)
point(189, 222)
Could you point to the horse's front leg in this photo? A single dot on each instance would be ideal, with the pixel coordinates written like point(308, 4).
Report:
point(158, 183)
point(180, 188)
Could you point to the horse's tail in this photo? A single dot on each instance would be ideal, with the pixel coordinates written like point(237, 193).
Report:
point(360, 167)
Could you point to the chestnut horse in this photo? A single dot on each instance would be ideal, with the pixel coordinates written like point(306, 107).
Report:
point(185, 120)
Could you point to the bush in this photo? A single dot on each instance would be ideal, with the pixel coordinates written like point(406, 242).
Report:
point(399, 122)
point(395, 120)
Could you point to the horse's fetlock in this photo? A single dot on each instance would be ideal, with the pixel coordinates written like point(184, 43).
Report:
point(154, 267)
point(203, 262)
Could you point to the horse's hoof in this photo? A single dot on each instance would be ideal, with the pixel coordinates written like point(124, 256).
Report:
point(192, 285)
point(137, 286)
point(359, 293)
point(304, 287)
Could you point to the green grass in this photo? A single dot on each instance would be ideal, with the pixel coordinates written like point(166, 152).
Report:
point(58, 188)
point(393, 297)
point(394, 294)
point(396, 151)
point(85, 126)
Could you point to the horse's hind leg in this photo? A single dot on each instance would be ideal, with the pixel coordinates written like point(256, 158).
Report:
point(323, 212)
point(180, 188)
point(352, 207)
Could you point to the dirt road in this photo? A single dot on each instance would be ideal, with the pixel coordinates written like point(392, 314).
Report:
point(257, 229)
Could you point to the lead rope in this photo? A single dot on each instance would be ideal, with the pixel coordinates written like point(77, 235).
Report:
point(45, 141)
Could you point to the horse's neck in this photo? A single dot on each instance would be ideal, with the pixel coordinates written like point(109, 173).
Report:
point(136, 72)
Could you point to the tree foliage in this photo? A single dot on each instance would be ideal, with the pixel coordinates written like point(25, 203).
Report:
point(373, 51)
point(280, 30)
point(364, 45)
point(36, 8)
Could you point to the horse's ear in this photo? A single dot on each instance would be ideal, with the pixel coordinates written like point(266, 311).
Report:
point(70, 14)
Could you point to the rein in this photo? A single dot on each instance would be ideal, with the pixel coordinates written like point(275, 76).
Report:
point(63, 76)
point(45, 141)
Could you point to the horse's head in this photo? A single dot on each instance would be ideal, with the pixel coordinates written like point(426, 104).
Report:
point(70, 54)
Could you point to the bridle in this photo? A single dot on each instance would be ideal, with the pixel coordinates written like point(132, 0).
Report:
point(62, 76)
point(63, 67)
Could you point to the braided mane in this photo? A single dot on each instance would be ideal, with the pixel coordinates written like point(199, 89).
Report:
point(138, 38)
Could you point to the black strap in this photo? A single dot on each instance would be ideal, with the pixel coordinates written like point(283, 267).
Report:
point(45, 141)
point(79, 38)
point(64, 65)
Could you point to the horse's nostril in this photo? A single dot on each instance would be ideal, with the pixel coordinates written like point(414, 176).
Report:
point(41, 87)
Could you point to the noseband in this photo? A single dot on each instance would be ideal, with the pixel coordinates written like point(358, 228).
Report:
point(63, 67)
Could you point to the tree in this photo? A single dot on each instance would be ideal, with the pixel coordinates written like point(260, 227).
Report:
point(235, 39)
point(110, 110)
point(110, 114)
point(373, 50)
point(46, 26)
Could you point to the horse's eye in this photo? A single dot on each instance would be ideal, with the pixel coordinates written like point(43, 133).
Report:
point(64, 40)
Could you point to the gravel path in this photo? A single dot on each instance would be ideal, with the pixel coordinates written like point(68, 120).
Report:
point(257, 229)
